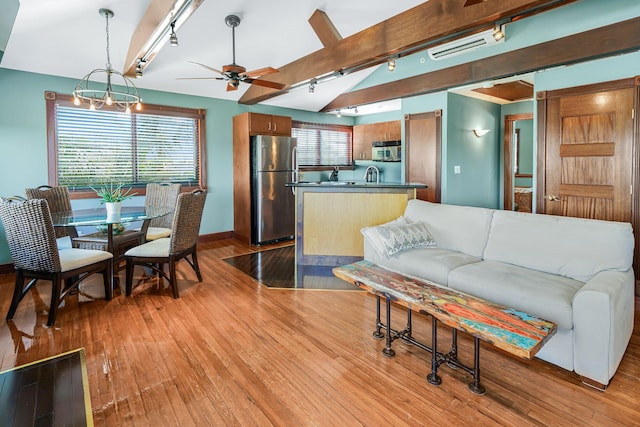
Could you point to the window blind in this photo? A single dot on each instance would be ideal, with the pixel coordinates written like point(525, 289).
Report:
point(323, 144)
point(95, 147)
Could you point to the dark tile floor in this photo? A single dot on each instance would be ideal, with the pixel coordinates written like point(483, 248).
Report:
point(276, 268)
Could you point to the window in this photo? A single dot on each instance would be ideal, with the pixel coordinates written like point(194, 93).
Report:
point(88, 148)
point(323, 145)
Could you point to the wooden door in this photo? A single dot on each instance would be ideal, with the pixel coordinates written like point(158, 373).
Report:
point(423, 148)
point(588, 154)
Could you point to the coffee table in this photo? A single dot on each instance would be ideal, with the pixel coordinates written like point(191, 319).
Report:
point(513, 331)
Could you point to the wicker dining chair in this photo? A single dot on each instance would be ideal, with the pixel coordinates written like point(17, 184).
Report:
point(165, 195)
point(59, 201)
point(169, 250)
point(34, 250)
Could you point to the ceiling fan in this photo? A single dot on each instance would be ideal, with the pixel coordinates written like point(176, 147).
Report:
point(233, 73)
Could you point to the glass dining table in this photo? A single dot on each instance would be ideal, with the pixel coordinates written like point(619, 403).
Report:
point(113, 235)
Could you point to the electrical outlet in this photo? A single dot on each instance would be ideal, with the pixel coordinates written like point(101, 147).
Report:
point(456, 169)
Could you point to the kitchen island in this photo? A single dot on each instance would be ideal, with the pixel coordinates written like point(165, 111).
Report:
point(329, 216)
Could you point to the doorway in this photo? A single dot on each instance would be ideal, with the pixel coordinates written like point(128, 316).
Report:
point(518, 162)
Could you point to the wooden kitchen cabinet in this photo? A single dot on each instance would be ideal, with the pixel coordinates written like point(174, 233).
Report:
point(265, 124)
point(365, 135)
point(245, 126)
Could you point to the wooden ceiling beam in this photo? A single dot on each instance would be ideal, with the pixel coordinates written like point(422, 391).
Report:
point(615, 39)
point(428, 22)
point(324, 28)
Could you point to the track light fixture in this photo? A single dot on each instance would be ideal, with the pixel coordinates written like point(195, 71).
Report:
point(173, 39)
point(391, 65)
point(312, 85)
point(498, 32)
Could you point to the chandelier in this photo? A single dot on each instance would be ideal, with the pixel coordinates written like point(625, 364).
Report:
point(97, 96)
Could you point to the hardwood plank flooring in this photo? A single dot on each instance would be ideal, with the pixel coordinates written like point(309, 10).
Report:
point(231, 351)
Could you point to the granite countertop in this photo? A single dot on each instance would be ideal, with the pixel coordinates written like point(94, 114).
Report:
point(355, 184)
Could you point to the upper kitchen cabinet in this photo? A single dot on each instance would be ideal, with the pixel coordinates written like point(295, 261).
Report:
point(365, 135)
point(265, 124)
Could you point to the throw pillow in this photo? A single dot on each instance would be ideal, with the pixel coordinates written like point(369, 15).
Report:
point(398, 238)
point(372, 234)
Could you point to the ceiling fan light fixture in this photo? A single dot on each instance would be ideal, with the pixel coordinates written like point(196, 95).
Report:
point(98, 96)
point(173, 38)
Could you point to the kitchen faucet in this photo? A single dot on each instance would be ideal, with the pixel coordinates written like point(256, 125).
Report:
point(334, 174)
point(368, 174)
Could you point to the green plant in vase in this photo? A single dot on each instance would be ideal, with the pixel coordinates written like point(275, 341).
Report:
point(111, 195)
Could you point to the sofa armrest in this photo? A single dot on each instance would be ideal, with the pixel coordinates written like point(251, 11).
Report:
point(603, 312)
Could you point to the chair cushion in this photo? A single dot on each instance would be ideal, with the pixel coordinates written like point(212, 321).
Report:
point(73, 258)
point(153, 249)
point(155, 233)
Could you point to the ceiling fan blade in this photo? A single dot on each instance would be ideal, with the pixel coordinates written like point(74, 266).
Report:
point(231, 86)
point(260, 72)
point(207, 67)
point(265, 83)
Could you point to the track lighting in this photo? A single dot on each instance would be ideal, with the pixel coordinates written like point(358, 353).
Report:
point(498, 32)
point(173, 39)
point(339, 113)
point(355, 110)
point(392, 63)
point(312, 85)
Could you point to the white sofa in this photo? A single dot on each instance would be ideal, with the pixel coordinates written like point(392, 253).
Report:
point(574, 272)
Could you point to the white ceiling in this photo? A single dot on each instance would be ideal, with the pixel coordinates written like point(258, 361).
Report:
point(67, 38)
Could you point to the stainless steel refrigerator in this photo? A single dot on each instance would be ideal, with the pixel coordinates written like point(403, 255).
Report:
point(273, 203)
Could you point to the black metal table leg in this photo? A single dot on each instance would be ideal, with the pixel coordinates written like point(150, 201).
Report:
point(475, 386)
point(388, 351)
point(377, 334)
point(453, 353)
point(433, 377)
point(406, 335)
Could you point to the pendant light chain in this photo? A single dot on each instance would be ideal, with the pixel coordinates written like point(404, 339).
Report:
point(108, 56)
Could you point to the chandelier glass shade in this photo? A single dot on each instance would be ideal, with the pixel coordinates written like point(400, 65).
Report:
point(101, 94)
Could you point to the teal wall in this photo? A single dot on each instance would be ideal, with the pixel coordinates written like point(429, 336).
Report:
point(23, 142)
point(477, 157)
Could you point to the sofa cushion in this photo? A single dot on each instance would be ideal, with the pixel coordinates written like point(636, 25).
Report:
point(572, 247)
point(457, 228)
point(390, 239)
point(544, 295)
point(432, 264)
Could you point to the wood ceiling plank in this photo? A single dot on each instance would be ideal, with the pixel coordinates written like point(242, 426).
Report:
point(622, 37)
point(430, 21)
point(324, 28)
point(511, 91)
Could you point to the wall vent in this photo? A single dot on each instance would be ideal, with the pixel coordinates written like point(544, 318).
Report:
point(464, 45)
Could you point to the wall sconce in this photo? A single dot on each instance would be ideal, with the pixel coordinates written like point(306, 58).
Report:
point(392, 63)
point(480, 132)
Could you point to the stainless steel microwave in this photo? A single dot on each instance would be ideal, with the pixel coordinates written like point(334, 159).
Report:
point(386, 151)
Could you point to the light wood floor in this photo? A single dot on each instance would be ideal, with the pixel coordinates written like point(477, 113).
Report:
point(232, 352)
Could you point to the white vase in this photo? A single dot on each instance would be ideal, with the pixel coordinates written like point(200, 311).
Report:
point(113, 211)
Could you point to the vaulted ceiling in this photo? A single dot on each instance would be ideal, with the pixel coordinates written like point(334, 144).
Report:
point(303, 39)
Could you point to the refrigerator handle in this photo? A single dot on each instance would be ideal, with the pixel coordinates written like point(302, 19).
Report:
point(294, 168)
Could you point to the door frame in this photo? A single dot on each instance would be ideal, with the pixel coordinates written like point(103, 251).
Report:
point(542, 98)
point(507, 156)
